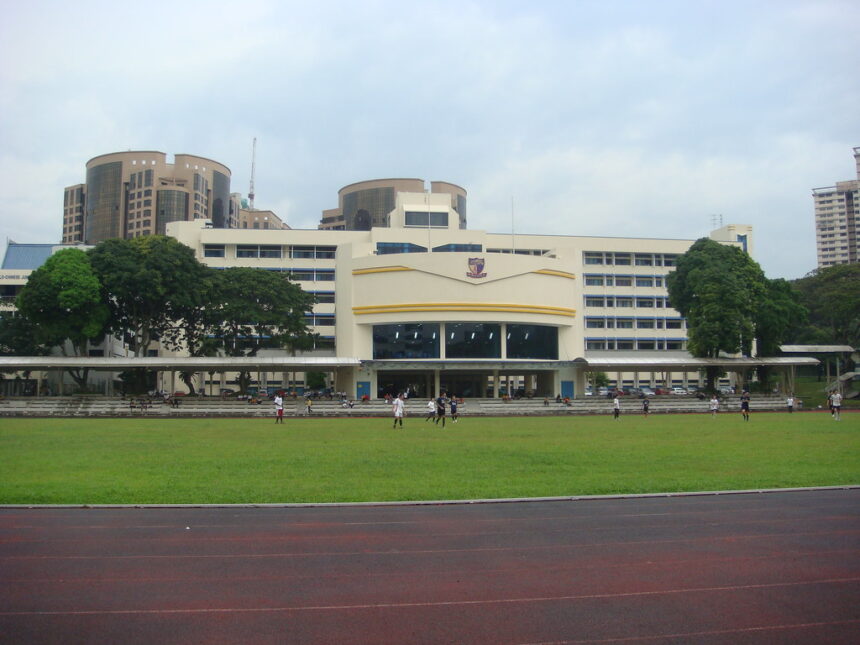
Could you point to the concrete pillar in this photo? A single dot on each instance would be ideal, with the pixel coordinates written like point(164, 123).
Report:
point(436, 382)
point(495, 384)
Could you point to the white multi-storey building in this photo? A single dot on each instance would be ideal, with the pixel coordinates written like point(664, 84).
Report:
point(837, 212)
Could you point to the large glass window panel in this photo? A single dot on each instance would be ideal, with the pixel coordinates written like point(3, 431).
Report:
point(457, 248)
point(270, 251)
point(473, 340)
point(247, 251)
point(406, 340)
point(213, 250)
point(532, 341)
point(390, 248)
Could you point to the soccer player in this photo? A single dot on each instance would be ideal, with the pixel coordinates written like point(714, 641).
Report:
point(789, 402)
point(397, 407)
point(279, 408)
point(745, 405)
point(645, 406)
point(715, 405)
point(836, 402)
point(431, 410)
point(616, 408)
point(454, 414)
point(440, 409)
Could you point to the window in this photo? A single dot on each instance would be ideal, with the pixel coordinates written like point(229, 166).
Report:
point(425, 219)
point(646, 344)
point(390, 248)
point(644, 281)
point(624, 344)
point(270, 251)
point(324, 297)
point(326, 252)
point(644, 302)
point(674, 344)
point(622, 259)
point(213, 250)
point(247, 251)
point(623, 281)
point(595, 344)
point(644, 260)
point(473, 340)
point(624, 302)
point(645, 323)
point(302, 275)
point(302, 252)
point(673, 324)
point(409, 340)
point(594, 280)
point(624, 323)
point(595, 323)
point(532, 341)
point(594, 301)
point(669, 260)
point(593, 258)
point(457, 248)
point(325, 275)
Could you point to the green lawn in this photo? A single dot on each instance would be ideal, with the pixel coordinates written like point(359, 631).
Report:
point(99, 461)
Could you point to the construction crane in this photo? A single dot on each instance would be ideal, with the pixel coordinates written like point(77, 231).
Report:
point(253, 169)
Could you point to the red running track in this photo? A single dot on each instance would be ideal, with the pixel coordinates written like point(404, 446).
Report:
point(741, 568)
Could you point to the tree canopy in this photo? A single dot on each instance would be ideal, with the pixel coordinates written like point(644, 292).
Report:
point(718, 288)
point(152, 283)
point(832, 296)
point(63, 301)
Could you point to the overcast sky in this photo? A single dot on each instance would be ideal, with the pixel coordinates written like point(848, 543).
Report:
point(608, 118)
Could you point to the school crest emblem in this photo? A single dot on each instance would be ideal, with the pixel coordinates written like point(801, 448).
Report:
point(476, 268)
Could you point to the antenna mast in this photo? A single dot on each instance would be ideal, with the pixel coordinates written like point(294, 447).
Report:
point(253, 170)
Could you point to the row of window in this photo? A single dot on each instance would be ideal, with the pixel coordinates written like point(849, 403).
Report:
point(271, 251)
point(610, 322)
point(628, 259)
point(634, 344)
point(389, 248)
point(464, 340)
point(611, 280)
point(628, 301)
point(141, 179)
point(537, 252)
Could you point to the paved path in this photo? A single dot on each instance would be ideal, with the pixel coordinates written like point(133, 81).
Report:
point(748, 568)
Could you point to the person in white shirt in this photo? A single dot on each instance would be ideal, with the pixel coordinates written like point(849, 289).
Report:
point(715, 405)
point(431, 410)
point(790, 403)
point(616, 408)
point(397, 407)
point(836, 403)
point(279, 408)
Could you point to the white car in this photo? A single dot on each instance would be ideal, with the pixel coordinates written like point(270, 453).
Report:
point(647, 391)
point(678, 390)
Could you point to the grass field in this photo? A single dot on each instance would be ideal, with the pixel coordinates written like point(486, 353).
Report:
point(104, 461)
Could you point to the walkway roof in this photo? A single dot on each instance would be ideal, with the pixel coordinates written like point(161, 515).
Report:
point(816, 349)
point(166, 363)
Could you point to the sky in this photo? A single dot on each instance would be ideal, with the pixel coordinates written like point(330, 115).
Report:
point(577, 117)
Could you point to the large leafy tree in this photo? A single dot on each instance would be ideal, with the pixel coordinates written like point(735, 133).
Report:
point(832, 296)
point(153, 283)
point(253, 309)
point(64, 301)
point(778, 316)
point(718, 288)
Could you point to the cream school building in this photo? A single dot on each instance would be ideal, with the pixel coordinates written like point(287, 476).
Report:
point(422, 305)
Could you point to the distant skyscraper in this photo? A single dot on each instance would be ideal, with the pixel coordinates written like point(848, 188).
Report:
point(367, 204)
point(837, 213)
point(135, 193)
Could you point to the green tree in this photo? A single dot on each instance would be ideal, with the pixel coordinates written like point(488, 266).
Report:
point(64, 300)
point(152, 283)
point(832, 296)
point(19, 336)
point(778, 315)
point(718, 289)
point(252, 309)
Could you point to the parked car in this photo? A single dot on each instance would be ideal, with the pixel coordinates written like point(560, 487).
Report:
point(603, 391)
point(679, 390)
point(647, 391)
point(692, 390)
point(662, 390)
point(589, 392)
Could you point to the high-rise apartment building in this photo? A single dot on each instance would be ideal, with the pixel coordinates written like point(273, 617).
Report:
point(837, 212)
point(135, 193)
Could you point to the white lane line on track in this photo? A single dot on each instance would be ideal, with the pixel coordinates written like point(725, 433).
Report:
point(443, 603)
